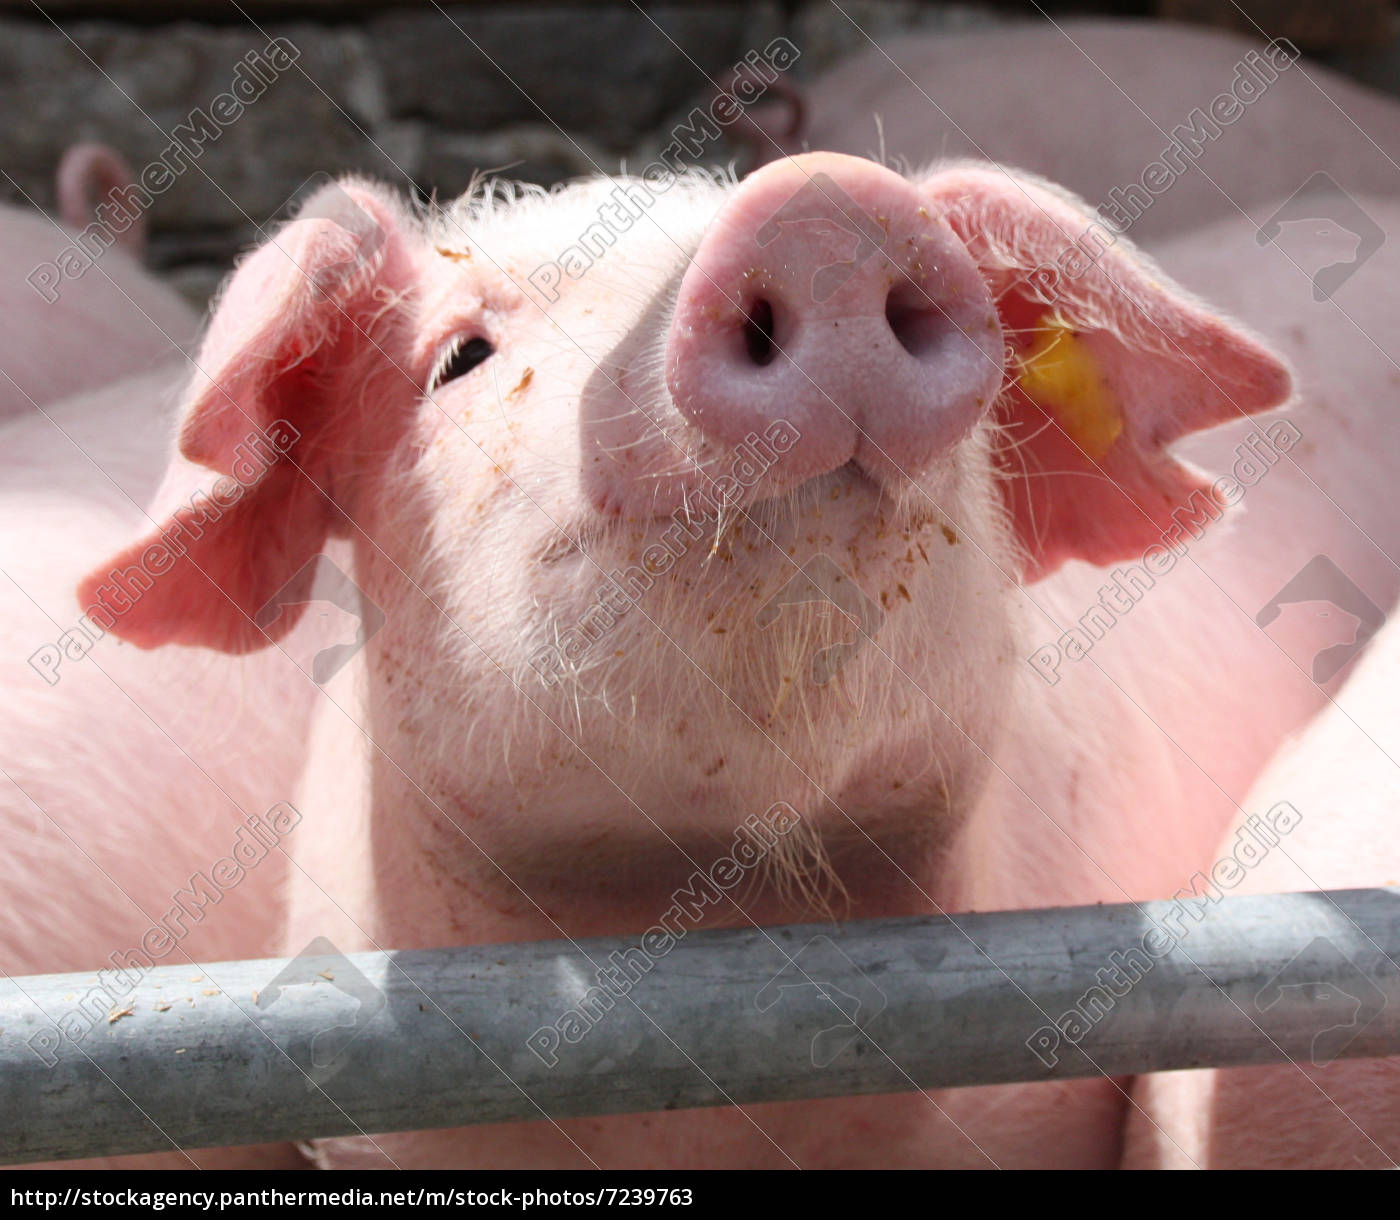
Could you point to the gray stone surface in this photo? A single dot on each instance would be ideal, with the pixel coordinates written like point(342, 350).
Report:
point(529, 152)
point(826, 32)
point(1378, 67)
point(608, 71)
point(402, 95)
point(130, 86)
point(400, 92)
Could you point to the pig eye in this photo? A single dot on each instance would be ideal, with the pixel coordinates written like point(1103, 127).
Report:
point(463, 356)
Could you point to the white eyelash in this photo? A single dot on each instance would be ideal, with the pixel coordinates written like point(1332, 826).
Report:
point(449, 353)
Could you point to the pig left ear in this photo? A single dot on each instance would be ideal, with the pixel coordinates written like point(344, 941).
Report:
point(1108, 364)
point(281, 408)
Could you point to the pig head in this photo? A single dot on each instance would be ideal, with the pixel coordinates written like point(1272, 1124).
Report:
point(581, 497)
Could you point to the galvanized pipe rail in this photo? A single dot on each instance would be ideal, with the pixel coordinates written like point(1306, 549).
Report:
point(400, 1041)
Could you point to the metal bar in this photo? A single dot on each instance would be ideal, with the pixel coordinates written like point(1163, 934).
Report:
point(321, 1046)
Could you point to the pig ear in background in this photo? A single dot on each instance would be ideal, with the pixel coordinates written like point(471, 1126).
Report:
point(1110, 364)
point(298, 330)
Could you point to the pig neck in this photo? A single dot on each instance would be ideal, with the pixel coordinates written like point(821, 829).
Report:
point(382, 862)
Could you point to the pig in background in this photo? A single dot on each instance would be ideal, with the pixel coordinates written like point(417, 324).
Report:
point(1092, 105)
point(70, 332)
point(480, 492)
point(1328, 1113)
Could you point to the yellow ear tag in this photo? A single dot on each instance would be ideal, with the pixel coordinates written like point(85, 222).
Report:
point(1059, 374)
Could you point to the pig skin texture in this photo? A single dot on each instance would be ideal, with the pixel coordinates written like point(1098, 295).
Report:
point(116, 319)
point(1341, 774)
point(1118, 812)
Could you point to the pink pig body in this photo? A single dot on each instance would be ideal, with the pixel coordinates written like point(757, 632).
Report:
point(104, 826)
point(1093, 105)
point(115, 319)
point(1341, 775)
point(974, 754)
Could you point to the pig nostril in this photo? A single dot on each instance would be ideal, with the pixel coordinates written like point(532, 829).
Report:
point(758, 333)
point(919, 324)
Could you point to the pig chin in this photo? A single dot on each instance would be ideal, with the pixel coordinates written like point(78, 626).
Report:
point(845, 633)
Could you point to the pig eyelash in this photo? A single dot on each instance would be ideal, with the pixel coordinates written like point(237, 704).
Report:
point(462, 355)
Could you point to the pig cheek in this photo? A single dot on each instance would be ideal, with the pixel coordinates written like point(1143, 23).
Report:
point(472, 456)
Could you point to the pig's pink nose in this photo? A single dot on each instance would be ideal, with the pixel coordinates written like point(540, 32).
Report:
point(825, 294)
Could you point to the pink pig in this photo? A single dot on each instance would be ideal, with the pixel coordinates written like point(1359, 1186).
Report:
point(906, 395)
point(1169, 125)
point(1341, 775)
point(115, 319)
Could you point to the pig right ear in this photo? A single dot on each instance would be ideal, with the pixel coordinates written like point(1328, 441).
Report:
point(1109, 363)
point(277, 407)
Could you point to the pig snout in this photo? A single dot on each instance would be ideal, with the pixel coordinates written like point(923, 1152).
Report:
point(826, 293)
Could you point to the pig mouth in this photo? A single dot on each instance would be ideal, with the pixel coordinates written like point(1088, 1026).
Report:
point(861, 499)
